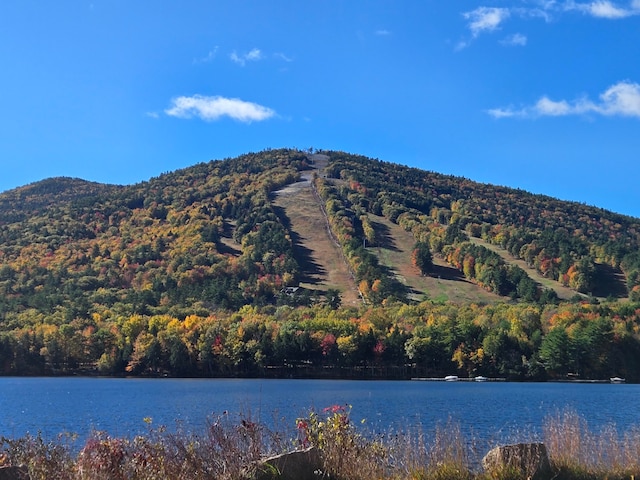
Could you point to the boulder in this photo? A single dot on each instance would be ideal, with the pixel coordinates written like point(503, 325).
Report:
point(529, 459)
point(14, 473)
point(297, 465)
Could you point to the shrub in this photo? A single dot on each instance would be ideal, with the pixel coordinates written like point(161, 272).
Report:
point(233, 450)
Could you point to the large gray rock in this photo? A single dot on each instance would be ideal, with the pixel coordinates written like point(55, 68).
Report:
point(14, 473)
point(530, 459)
point(298, 465)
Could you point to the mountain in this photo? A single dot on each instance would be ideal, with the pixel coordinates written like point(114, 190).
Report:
point(35, 198)
point(157, 276)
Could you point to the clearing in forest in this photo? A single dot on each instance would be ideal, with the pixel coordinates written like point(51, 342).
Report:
point(324, 267)
point(612, 280)
point(320, 258)
point(564, 293)
point(394, 246)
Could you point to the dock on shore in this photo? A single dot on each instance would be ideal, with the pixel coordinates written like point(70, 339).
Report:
point(453, 378)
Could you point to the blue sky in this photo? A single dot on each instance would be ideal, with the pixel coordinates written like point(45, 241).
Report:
point(540, 95)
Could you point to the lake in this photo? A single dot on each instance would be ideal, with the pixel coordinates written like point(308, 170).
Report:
point(492, 411)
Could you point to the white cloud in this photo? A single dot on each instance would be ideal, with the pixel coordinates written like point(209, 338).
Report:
point(251, 56)
point(386, 33)
point(485, 19)
point(548, 107)
point(489, 19)
point(621, 99)
point(254, 54)
point(605, 9)
point(504, 112)
point(515, 40)
point(213, 108)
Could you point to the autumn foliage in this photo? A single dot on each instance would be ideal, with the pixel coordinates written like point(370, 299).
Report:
point(186, 274)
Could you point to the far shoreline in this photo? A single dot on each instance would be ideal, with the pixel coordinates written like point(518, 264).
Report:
point(610, 381)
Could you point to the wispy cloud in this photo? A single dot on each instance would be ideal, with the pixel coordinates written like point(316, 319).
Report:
point(515, 40)
point(383, 32)
point(214, 108)
point(605, 9)
point(209, 57)
point(283, 57)
point(485, 19)
point(621, 99)
point(252, 56)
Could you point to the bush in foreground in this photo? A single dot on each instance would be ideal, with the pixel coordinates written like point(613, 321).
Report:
point(235, 450)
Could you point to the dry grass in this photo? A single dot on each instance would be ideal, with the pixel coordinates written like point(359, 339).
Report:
point(580, 453)
point(231, 450)
point(394, 249)
point(304, 212)
point(228, 450)
point(446, 284)
point(303, 209)
point(564, 293)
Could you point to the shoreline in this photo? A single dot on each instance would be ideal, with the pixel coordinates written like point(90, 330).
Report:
point(364, 378)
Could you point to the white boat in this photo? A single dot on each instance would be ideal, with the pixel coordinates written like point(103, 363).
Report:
point(617, 380)
point(480, 378)
point(451, 378)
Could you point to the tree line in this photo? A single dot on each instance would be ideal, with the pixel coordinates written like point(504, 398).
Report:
point(515, 341)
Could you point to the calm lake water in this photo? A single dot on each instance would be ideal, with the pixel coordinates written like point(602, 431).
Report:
point(491, 411)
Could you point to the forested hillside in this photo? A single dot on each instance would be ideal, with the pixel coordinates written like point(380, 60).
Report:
point(198, 272)
point(564, 241)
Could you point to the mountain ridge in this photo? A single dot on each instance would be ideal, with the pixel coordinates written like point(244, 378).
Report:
point(64, 182)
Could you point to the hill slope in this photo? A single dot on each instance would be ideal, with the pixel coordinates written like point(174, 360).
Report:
point(232, 232)
point(197, 272)
point(562, 241)
point(323, 262)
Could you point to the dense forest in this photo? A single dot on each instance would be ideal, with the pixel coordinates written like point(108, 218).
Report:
point(195, 272)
